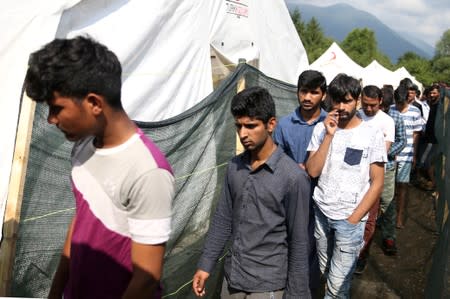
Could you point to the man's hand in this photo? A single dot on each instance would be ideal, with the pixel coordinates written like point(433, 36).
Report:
point(331, 122)
point(198, 282)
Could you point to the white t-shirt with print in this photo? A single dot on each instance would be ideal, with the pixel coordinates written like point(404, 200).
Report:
point(345, 176)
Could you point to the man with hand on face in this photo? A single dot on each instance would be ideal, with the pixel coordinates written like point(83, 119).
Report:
point(348, 156)
point(263, 213)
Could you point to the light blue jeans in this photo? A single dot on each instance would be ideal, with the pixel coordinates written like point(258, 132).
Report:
point(338, 245)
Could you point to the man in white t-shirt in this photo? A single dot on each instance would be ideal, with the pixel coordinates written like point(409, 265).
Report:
point(348, 156)
point(370, 112)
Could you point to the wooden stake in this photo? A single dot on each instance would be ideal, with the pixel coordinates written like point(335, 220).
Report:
point(15, 194)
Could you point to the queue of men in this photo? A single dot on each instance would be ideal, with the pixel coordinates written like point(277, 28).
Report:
point(358, 163)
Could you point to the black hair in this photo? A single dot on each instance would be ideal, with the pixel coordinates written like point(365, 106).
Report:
point(343, 85)
point(310, 80)
point(255, 102)
point(372, 91)
point(406, 82)
point(74, 68)
point(388, 96)
point(401, 94)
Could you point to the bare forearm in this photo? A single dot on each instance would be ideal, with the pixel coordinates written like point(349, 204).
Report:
point(316, 161)
point(141, 288)
point(60, 279)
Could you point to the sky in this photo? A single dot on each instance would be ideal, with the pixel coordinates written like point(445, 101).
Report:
point(426, 20)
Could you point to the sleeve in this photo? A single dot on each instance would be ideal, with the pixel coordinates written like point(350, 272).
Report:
point(390, 129)
point(150, 206)
point(317, 137)
point(297, 220)
point(400, 138)
point(219, 231)
point(378, 149)
point(418, 123)
point(278, 136)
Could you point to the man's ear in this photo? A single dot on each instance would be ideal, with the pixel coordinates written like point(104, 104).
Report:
point(95, 102)
point(324, 96)
point(271, 124)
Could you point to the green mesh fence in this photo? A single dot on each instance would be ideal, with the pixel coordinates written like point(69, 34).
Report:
point(198, 144)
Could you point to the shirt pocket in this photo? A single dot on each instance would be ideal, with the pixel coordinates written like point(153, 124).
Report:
point(353, 156)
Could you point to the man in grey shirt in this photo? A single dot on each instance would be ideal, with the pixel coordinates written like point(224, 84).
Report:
point(263, 211)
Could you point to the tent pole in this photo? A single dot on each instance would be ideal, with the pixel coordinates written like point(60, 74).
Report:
point(240, 87)
point(15, 194)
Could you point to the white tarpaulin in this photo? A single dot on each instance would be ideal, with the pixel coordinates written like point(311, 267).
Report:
point(164, 47)
point(334, 61)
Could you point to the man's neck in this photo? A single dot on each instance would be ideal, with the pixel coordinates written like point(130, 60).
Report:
point(351, 123)
point(402, 108)
point(260, 156)
point(117, 128)
point(310, 115)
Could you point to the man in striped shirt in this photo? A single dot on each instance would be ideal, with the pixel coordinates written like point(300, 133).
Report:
point(406, 158)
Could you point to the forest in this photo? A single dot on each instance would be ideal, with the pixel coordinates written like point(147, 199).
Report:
point(361, 45)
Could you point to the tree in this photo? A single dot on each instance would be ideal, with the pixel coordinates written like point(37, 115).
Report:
point(441, 61)
point(298, 23)
point(418, 66)
point(361, 46)
point(315, 41)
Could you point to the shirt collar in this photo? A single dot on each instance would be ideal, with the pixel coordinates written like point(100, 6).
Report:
point(297, 117)
point(271, 162)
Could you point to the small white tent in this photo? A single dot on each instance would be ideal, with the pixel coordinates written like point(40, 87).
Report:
point(334, 61)
point(378, 75)
point(164, 47)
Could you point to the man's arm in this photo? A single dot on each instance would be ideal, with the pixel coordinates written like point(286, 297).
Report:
point(400, 138)
point(316, 159)
point(372, 194)
point(62, 272)
point(218, 235)
point(297, 219)
point(147, 263)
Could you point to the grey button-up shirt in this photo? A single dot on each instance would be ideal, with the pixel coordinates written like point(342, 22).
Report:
point(264, 213)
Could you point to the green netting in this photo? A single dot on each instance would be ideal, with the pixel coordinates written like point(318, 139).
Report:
point(198, 144)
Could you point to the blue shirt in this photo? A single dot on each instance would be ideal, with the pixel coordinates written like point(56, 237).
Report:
point(264, 214)
point(293, 134)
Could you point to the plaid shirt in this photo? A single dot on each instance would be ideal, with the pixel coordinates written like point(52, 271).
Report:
point(400, 138)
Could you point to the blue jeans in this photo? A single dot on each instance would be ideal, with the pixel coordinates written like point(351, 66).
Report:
point(338, 245)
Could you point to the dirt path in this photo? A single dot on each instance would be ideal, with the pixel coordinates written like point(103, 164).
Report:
point(403, 275)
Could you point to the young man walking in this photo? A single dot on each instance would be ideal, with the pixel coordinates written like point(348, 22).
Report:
point(370, 112)
point(262, 212)
point(122, 183)
point(293, 133)
point(348, 156)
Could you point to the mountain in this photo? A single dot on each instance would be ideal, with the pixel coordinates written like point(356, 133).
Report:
point(340, 19)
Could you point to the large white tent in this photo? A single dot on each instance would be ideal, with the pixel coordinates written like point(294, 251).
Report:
point(164, 46)
point(334, 61)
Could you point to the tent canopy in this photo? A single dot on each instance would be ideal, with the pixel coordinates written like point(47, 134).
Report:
point(334, 61)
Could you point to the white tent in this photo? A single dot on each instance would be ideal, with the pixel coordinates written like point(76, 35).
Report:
point(334, 61)
point(402, 73)
point(378, 75)
point(164, 46)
